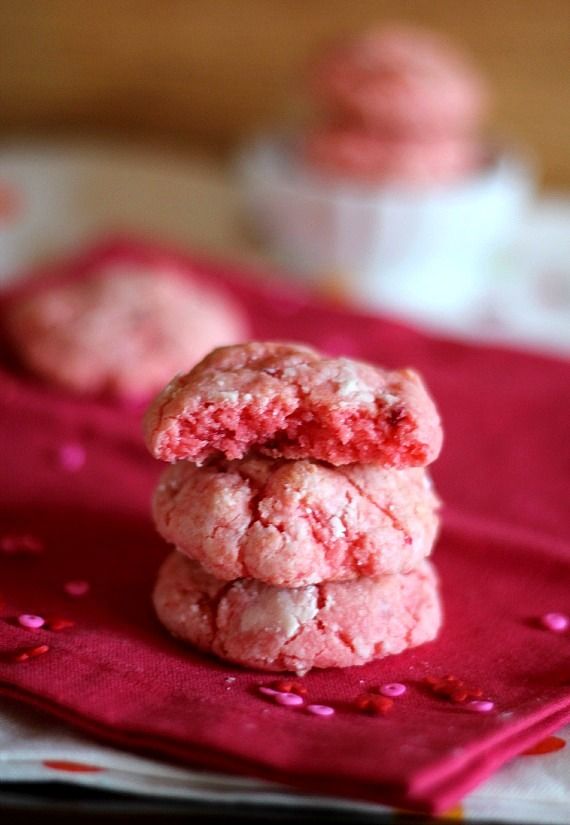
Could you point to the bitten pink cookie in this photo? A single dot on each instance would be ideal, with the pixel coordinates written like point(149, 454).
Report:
point(402, 81)
point(328, 625)
point(123, 331)
point(292, 523)
point(290, 401)
point(372, 158)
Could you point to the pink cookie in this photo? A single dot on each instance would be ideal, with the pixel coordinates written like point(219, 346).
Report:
point(372, 158)
point(328, 625)
point(292, 523)
point(402, 81)
point(122, 331)
point(290, 401)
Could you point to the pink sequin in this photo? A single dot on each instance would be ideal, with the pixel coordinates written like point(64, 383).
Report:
point(481, 706)
point(288, 699)
point(556, 622)
point(58, 623)
point(267, 691)
point(31, 622)
point(38, 650)
point(23, 654)
point(71, 457)
point(392, 689)
point(320, 710)
point(77, 588)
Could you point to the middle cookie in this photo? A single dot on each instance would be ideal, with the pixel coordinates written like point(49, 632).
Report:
point(294, 523)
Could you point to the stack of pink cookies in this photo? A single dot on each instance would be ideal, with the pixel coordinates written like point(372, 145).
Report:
point(300, 508)
point(400, 104)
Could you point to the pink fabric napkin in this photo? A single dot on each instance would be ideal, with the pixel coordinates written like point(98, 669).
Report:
point(503, 557)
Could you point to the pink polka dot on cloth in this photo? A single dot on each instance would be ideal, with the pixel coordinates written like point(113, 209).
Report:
point(70, 767)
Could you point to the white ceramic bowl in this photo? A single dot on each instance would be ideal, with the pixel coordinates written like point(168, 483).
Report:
point(423, 251)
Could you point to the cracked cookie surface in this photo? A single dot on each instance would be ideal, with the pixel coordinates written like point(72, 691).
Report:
point(286, 400)
point(336, 624)
point(292, 523)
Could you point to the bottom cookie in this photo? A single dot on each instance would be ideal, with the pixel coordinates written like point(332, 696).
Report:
point(336, 624)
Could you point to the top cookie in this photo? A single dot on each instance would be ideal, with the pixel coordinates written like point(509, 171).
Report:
point(289, 401)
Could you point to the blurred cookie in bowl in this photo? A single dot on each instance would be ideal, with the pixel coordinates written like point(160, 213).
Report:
point(392, 185)
point(372, 157)
point(121, 331)
point(403, 81)
point(398, 105)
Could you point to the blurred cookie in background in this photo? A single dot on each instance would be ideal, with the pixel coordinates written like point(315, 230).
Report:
point(122, 331)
